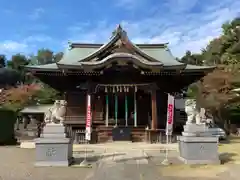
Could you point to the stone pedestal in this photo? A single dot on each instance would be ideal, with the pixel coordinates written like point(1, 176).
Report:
point(53, 148)
point(196, 130)
point(197, 146)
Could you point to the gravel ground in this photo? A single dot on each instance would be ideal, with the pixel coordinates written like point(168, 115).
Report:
point(17, 164)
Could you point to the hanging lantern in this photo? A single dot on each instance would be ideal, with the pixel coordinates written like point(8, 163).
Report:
point(106, 90)
point(120, 88)
point(113, 89)
point(135, 88)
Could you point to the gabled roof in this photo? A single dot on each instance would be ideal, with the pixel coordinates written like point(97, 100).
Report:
point(90, 55)
point(80, 56)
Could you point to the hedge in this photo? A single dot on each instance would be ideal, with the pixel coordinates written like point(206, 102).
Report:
point(7, 121)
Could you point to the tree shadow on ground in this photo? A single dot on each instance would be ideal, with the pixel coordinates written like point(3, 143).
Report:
point(227, 157)
point(132, 158)
point(231, 140)
point(95, 158)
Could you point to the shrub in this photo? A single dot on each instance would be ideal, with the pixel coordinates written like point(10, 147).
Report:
point(7, 121)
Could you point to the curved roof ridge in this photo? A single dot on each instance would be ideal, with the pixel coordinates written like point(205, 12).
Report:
point(98, 45)
point(119, 33)
point(129, 57)
point(113, 39)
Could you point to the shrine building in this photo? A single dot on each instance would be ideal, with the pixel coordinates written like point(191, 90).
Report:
point(128, 84)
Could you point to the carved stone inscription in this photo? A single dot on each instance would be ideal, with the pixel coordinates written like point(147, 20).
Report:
point(51, 152)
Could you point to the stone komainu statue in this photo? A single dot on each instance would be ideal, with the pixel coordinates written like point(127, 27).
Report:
point(56, 113)
point(193, 114)
point(190, 109)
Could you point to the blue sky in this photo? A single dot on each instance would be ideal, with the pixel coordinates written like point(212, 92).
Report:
point(28, 25)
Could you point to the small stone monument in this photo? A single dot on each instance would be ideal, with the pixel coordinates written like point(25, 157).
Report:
point(53, 148)
point(197, 145)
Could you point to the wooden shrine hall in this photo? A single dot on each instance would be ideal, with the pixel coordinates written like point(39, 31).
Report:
point(128, 84)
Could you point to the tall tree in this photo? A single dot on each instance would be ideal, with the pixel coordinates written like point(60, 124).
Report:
point(9, 77)
point(215, 92)
point(212, 53)
point(3, 60)
point(45, 56)
point(17, 97)
point(226, 48)
point(58, 56)
point(17, 62)
point(194, 59)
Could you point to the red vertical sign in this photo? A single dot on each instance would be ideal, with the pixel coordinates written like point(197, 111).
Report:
point(88, 119)
point(170, 115)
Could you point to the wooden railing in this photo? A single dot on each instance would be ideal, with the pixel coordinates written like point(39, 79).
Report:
point(77, 135)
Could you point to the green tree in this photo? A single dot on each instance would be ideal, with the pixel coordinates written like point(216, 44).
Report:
point(46, 95)
point(58, 56)
point(226, 48)
point(216, 91)
point(17, 62)
point(194, 59)
point(45, 56)
point(212, 53)
point(9, 77)
point(3, 60)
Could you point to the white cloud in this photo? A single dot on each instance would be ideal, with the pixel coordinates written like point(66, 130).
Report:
point(183, 28)
point(101, 31)
point(26, 45)
point(178, 6)
point(12, 46)
point(37, 38)
point(129, 4)
point(36, 14)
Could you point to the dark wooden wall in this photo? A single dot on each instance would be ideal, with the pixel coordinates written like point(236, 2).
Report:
point(76, 108)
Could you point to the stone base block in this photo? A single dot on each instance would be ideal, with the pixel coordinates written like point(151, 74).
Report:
point(53, 152)
point(52, 164)
point(201, 134)
point(198, 150)
point(195, 128)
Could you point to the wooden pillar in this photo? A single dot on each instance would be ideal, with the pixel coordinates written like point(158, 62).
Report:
point(126, 110)
point(107, 110)
point(154, 110)
point(94, 100)
point(116, 108)
point(135, 108)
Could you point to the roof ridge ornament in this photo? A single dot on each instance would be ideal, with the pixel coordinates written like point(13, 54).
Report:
point(69, 45)
point(119, 30)
point(122, 36)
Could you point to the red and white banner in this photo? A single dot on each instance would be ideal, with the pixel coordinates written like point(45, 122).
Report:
point(170, 115)
point(88, 119)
